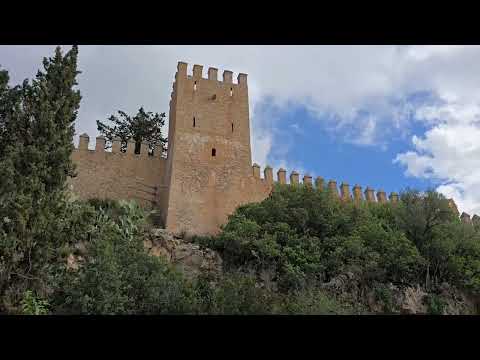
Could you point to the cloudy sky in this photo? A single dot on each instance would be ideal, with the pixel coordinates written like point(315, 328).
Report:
point(389, 117)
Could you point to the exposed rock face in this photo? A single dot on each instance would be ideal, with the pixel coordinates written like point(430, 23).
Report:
point(72, 263)
point(412, 300)
point(193, 261)
point(401, 299)
point(344, 286)
point(456, 302)
point(75, 260)
point(415, 300)
point(186, 256)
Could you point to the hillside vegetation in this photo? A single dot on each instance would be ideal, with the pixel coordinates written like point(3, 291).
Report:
point(302, 240)
point(297, 252)
point(300, 251)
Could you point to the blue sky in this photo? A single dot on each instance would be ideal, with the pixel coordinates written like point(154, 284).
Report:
point(306, 142)
point(388, 117)
point(314, 143)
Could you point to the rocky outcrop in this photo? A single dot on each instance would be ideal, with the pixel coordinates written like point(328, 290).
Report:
point(379, 298)
point(394, 299)
point(184, 255)
point(411, 300)
point(457, 302)
point(75, 259)
point(390, 298)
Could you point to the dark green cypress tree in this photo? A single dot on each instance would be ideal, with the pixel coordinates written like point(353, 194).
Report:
point(36, 141)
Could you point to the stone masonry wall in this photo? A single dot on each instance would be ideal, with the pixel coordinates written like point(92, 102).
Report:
point(117, 175)
point(209, 157)
point(208, 171)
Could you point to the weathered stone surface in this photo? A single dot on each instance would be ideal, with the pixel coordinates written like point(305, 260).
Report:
point(413, 301)
point(400, 300)
point(457, 302)
point(209, 153)
point(186, 256)
point(74, 262)
point(147, 244)
point(71, 262)
point(159, 251)
point(208, 171)
point(116, 175)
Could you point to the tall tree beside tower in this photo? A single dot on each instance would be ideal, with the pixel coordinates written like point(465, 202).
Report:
point(36, 140)
point(144, 127)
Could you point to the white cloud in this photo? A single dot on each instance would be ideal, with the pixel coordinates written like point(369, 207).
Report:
point(449, 151)
point(263, 145)
point(367, 134)
point(428, 51)
point(338, 81)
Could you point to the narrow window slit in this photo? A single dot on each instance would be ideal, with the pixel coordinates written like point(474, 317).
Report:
point(194, 121)
point(231, 91)
point(194, 86)
point(232, 127)
point(214, 152)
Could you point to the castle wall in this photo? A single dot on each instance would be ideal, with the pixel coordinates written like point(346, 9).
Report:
point(209, 157)
point(208, 171)
point(117, 175)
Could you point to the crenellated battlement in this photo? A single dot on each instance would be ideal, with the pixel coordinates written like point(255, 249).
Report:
point(212, 75)
point(343, 191)
point(117, 175)
point(109, 164)
point(474, 220)
point(208, 171)
point(84, 142)
point(209, 163)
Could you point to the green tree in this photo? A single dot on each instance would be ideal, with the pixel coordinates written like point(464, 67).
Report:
point(234, 293)
point(4, 104)
point(37, 128)
point(421, 216)
point(31, 305)
point(143, 127)
point(118, 276)
point(308, 240)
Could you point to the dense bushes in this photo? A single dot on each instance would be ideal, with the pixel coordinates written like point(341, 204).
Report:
point(290, 254)
point(117, 276)
point(306, 238)
point(276, 261)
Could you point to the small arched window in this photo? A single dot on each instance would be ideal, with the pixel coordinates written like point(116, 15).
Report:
point(232, 127)
point(194, 121)
point(231, 91)
point(194, 86)
point(214, 152)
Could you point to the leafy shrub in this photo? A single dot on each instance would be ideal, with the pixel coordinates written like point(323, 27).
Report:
point(308, 237)
point(305, 238)
point(313, 302)
point(31, 305)
point(384, 295)
point(118, 277)
point(234, 294)
point(435, 305)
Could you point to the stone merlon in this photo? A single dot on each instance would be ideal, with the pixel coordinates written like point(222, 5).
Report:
point(208, 171)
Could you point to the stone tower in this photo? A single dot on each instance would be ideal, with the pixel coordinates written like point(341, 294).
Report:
point(209, 163)
point(208, 172)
